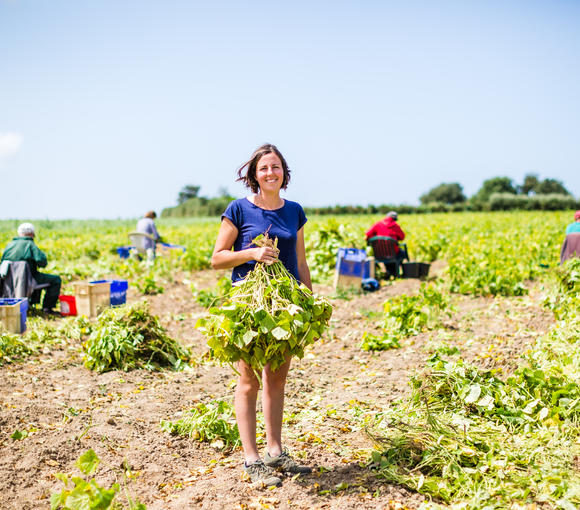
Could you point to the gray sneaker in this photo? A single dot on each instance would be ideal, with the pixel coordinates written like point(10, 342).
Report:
point(259, 472)
point(285, 463)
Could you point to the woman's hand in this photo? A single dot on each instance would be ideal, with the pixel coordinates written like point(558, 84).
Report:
point(265, 255)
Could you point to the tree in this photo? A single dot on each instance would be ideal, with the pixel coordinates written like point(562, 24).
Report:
point(530, 184)
point(548, 186)
point(495, 185)
point(447, 193)
point(187, 192)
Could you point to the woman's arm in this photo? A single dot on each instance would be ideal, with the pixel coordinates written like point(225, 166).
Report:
point(224, 258)
point(303, 270)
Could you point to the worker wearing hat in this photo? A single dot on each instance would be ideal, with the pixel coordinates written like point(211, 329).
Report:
point(387, 227)
point(22, 248)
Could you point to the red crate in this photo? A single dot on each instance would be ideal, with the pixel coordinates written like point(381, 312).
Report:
point(68, 305)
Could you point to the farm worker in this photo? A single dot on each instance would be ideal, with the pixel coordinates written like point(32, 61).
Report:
point(571, 245)
point(22, 248)
point(146, 225)
point(574, 228)
point(388, 227)
point(265, 174)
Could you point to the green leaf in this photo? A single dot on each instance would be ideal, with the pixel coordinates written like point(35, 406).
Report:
point(474, 393)
point(17, 435)
point(280, 334)
point(57, 500)
point(88, 462)
point(267, 323)
point(249, 336)
point(78, 502)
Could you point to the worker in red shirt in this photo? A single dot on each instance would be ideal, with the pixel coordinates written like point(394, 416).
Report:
point(387, 227)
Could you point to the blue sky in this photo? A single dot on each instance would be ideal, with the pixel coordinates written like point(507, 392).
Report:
point(109, 107)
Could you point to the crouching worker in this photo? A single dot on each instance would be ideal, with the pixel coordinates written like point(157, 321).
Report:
point(22, 248)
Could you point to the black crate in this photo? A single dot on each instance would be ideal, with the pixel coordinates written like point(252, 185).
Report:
point(415, 270)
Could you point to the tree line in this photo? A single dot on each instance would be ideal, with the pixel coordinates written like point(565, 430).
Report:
point(190, 203)
point(496, 194)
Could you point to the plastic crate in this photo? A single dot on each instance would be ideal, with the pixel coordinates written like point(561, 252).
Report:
point(166, 248)
point(124, 251)
point(352, 266)
point(68, 305)
point(92, 298)
point(13, 312)
point(415, 269)
point(118, 293)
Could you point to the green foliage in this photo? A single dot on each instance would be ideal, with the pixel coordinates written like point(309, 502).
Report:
point(129, 337)
point(551, 186)
point(190, 204)
point(266, 318)
point(405, 316)
point(209, 297)
point(13, 347)
point(84, 494)
point(323, 244)
point(17, 435)
point(187, 192)
point(383, 342)
point(530, 183)
point(40, 333)
point(149, 285)
point(207, 423)
point(564, 301)
point(545, 202)
point(489, 271)
point(446, 193)
point(470, 438)
point(495, 185)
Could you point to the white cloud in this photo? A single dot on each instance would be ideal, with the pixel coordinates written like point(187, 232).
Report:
point(10, 143)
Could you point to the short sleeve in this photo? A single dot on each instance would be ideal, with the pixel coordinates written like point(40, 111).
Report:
point(302, 219)
point(233, 213)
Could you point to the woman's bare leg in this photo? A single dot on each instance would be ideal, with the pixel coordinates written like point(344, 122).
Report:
point(273, 405)
point(245, 405)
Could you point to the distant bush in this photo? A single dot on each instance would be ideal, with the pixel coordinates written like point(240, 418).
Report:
point(548, 202)
point(198, 206)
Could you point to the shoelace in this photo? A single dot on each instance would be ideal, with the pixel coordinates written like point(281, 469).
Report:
point(260, 467)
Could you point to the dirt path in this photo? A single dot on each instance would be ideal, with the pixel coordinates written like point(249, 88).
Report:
point(68, 409)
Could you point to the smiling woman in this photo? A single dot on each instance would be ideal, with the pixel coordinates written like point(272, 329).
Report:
point(266, 173)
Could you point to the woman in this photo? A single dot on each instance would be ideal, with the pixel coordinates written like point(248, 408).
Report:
point(266, 173)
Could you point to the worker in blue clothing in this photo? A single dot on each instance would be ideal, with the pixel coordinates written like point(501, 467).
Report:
point(574, 227)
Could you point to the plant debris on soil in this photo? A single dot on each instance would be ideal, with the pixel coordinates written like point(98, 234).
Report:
point(61, 409)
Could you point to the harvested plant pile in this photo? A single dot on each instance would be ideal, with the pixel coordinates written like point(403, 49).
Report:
point(12, 347)
point(406, 316)
point(130, 337)
point(213, 423)
point(470, 438)
point(265, 318)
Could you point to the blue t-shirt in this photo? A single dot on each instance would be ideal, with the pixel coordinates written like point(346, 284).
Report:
point(573, 228)
point(251, 221)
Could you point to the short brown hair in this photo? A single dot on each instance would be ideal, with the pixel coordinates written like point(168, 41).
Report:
point(247, 172)
point(150, 214)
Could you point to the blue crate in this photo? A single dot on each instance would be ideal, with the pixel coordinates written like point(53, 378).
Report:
point(124, 251)
point(23, 309)
point(118, 291)
point(353, 262)
point(170, 246)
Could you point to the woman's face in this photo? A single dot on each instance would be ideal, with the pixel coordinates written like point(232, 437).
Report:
point(269, 173)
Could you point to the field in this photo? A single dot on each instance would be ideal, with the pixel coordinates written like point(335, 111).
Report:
point(460, 391)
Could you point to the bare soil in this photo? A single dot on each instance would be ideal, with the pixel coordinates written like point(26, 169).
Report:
point(67, 408)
